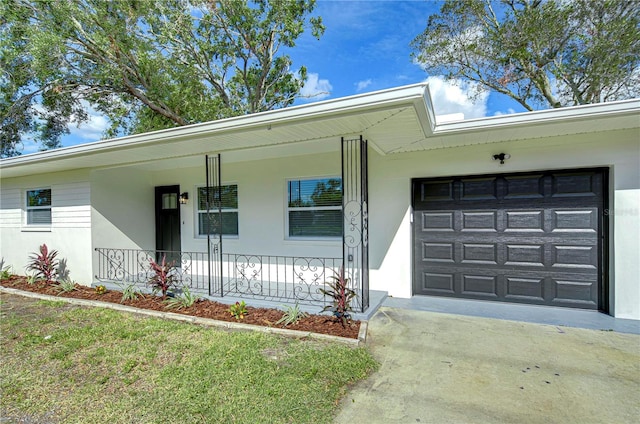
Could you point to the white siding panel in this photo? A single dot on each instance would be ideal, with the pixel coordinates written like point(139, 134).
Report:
point(72, 194)
point(71, 205)
point(10, 212)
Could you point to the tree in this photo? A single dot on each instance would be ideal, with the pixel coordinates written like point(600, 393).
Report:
point(327, 193)
point(539, 53)
point(144, 64)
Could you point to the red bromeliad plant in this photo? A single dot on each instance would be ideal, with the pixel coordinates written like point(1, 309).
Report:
point(163, 278)
point(44, 264)
point(342, 296)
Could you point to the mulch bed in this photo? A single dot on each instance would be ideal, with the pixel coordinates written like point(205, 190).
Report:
point(322, 324)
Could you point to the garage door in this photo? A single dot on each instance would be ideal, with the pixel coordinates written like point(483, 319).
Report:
point(530, 238)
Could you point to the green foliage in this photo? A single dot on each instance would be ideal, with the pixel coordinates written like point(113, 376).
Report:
point(145, 64)
point(164, 277)
point(97, 366)
point(129, 292)
point(238, 310)
point(328, 193)
point(66, 286)
point(101, 289)
point(44, 264)
point(540, 53)
point(342, 296)
point(182, 300)
point(5, 270)
point(291, 315)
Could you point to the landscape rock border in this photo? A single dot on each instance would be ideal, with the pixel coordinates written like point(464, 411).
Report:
point(207, 322)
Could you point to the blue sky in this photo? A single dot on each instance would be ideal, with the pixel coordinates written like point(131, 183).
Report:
point(365, 48)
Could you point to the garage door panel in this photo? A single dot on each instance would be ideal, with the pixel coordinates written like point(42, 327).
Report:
point(524, 187)
point(578, 293)
point(438, 252)
point(479, 189)
point(573, 257)
point(524, 289)
point(479, 221)
point(474, 253)
point(531, 238)
point(437, 221)
point(438, 283)
point(436, 191)
point(530, 221)
point(485, 286)
point(577, 220)
point(582, 184)
point(531, 255)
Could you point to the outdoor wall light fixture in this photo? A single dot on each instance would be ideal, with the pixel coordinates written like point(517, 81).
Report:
point(501, 157)
point(183, 198)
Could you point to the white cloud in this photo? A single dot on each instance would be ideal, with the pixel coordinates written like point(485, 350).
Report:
point(29, 145)
point(315, 88)
point(509, 111)
point(451, 97)
point(93, 129)
point(361, 85)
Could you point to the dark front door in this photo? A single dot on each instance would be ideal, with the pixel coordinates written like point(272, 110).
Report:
point(168, 223)
point(529, 238)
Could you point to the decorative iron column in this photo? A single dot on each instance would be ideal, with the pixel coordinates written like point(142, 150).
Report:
point(355, 225)
point(214, 220)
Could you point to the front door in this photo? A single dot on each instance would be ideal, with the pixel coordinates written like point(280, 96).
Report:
point(168, 223)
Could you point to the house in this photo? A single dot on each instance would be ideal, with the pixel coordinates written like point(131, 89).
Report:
point(539, 207)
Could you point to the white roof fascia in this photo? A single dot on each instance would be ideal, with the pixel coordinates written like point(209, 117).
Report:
point(578, 113)
point(393, 97)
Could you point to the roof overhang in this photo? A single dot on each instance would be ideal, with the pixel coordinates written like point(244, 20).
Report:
point(395, 120)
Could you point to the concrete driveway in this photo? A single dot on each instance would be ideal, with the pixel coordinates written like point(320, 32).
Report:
point(441, 368)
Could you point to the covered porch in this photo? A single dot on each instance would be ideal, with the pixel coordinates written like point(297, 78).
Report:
point(325, 229)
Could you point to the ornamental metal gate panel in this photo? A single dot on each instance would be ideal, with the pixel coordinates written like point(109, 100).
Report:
point(355, 234)
point(213, 223)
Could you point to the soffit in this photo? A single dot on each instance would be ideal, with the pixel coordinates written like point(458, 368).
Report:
point(397, 123)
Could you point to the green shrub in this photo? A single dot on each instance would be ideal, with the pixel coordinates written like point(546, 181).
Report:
point(129, 292)
point(238, 310)
point(291, 315)
point(65, 286)
point(183, 300)
point(5, 270)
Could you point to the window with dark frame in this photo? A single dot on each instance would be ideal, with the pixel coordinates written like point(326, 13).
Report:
point(215, 222)
point(314, 208)
point(38, 206)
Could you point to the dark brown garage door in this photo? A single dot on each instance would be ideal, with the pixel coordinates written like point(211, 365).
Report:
point(530, 238)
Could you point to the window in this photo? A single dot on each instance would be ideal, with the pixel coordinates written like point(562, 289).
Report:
point(39, 206)
point(314, 207)
point(214, 222)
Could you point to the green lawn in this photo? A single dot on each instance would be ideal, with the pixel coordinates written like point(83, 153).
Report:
point(70, 364)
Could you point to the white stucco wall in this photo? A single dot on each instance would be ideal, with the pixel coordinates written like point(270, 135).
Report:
point(70, 230)
point(390, 200)
point(122, 210)
point(262, 190)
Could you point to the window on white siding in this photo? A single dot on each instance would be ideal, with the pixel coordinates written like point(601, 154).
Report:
point(214, 222)
point(314, 207)
point(38, 206)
